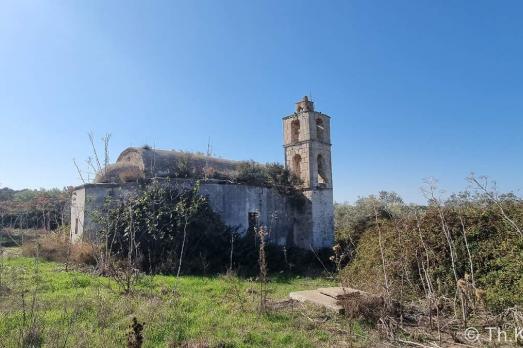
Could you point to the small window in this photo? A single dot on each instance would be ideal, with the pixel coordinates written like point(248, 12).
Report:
point(76, 226)
point(296, 165)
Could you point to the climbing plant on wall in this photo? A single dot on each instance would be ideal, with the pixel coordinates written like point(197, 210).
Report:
point(165, 224)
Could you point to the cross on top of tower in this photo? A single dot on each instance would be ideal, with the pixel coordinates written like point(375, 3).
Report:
point(304, 105)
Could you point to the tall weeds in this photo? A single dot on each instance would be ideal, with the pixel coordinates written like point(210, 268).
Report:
point(456, 257)
point(262, 261)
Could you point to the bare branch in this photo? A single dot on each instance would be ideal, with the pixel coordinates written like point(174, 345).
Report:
point(95, 153)
point(492, 195)
point(79, 171)
point(105, 140)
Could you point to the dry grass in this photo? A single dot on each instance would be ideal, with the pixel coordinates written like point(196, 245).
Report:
point(57, 247)
point(120, 172)
point(83, 253)
point(50, 247)
point(362, 306)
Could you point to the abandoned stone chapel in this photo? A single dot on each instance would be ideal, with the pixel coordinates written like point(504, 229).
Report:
point(307, 151)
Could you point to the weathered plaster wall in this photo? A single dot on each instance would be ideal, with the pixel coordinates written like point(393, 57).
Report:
point(322, 215)
point(77, 214)
point(88, 201)
point(233, 202)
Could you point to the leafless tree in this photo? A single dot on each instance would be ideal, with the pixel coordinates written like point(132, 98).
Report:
point(482, 184)
point(430, 193)
point(95, 164)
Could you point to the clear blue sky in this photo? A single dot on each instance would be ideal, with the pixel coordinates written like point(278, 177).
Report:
point(415, 88)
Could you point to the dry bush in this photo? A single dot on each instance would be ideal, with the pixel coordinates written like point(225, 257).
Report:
point(83, 253)
point(57, 247)
point(52, 247)
point(119, 172)
point(361, 306)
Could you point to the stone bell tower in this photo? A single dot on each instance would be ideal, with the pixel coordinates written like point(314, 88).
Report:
point(308, 155)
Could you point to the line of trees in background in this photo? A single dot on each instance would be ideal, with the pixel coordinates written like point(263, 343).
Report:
point(35, 209)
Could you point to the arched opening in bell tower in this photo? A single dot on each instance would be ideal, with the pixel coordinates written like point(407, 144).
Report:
point(296, 165)
point(322, 172)
point(320, 129)
point(295, 131)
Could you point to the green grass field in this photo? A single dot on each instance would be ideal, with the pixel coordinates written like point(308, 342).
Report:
point(76, 309)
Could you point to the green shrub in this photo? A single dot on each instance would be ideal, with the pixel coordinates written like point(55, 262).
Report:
point(415, 246)
point(151, 226)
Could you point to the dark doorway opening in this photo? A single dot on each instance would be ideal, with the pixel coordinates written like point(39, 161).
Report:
point(253, 220)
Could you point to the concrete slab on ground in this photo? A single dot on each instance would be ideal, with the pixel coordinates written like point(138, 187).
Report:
point(317, 298)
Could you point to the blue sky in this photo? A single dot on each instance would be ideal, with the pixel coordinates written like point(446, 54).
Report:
point(415, 89)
